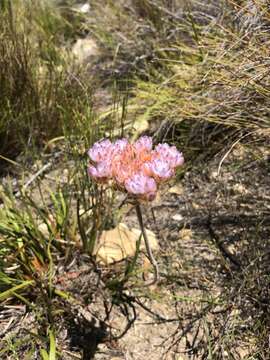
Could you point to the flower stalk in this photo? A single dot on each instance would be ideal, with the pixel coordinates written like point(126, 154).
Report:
point(147, 246)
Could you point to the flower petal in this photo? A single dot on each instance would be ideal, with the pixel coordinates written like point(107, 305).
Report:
point(142, 186)
point(100, 150)
point(144, 143)
point(160, 169)
point(119, 146)
point(102, 171)
point(170, 154)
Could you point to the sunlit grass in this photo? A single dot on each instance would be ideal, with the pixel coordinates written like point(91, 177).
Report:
point(40, 86)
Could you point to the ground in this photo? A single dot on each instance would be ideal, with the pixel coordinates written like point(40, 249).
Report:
point(206, 224)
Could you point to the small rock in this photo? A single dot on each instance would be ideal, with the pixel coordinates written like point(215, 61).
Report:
point(177, 217)
point(85, 48)
point(119, 243)
point(85, 8)
point(195, 206)
point(240, 189)
point(176, 189)
point(214, 175)
point(185, 234)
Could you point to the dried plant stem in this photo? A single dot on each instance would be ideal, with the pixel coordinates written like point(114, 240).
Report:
point(147, 246)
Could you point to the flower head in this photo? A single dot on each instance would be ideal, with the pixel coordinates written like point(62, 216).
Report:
point(159, 169)
point(144, 143)
point(120, 145)
point(169, 154)
point(141, 185)
point(102, 171)
point(100, 150)
point(134, 168)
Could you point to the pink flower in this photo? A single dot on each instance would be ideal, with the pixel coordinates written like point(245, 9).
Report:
point(101, 172)
point(144, 143)
point(100, 150)
point(159, 169)
point(169, 154)
point(122, 172)
point(119, 147)
point(134, 168)
point(124, 164)
point(141, 185)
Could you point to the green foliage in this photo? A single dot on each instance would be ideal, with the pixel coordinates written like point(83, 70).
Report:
point(52, 352)
point(30, 235)
point(40, 88)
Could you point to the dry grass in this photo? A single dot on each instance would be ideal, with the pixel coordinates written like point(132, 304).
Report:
point(41, 89)
point(202, 67)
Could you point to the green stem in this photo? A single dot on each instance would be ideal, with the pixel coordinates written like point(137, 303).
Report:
point(147, 246)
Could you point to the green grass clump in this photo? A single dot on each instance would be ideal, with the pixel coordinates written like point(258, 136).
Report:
point(40, 236)
point(40, 86)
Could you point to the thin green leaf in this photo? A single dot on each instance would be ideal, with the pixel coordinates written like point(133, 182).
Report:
point(44, 354)
point(10, 292)
point(52, 346)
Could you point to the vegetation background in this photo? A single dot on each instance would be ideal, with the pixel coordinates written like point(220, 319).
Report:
point(192, 73)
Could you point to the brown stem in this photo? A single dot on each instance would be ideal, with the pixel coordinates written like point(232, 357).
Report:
point(147, 246)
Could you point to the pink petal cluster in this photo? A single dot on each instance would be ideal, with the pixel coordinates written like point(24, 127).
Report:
point(135, 168)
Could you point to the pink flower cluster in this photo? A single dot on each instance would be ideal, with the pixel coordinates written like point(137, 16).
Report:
point(135, 168)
